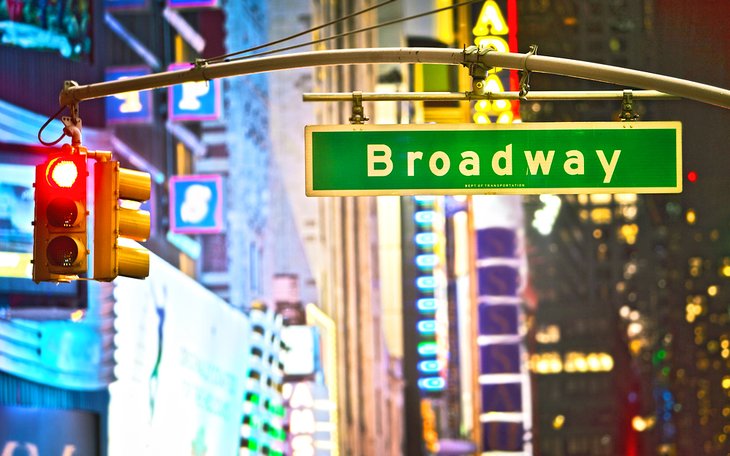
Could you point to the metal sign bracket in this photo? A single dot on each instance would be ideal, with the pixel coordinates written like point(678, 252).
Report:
point(627, 107)
point(358, 112)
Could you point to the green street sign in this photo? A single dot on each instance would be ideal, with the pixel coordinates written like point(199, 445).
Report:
point(526, 158)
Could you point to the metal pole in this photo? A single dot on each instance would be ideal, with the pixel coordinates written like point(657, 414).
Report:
point(264, 64)
point(460, 96)
point(573, 68)
point(612, 75)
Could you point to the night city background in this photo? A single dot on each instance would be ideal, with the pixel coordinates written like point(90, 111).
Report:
point(275, 323)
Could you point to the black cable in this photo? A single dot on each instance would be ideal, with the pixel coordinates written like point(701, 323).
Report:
point(49, 144)
point(297, 35)
point(365, 29)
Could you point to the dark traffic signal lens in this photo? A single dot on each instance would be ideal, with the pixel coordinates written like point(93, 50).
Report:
point(62, 212)
point(62, 251)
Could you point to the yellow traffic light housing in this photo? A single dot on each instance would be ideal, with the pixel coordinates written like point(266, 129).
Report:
point(59, 225)
point(115, 222)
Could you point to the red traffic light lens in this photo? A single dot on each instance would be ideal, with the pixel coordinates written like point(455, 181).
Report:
point(63, 173)
point(62, 212)
point(62, 251)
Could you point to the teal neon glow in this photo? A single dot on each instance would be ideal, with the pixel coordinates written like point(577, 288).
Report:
point(423, 199)
point(426, 305)
point(430, 366)
point(424, 218)
point(427, 348)
point(427, 261)
point(427, 327)
point(432, 383)
point(425, 239)
point(426, 283)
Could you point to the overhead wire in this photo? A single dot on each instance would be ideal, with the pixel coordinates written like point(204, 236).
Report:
point(225, 57)
point(345, 34)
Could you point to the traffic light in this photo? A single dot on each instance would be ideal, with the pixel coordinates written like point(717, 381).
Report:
point(59, 225)
point(115, 222)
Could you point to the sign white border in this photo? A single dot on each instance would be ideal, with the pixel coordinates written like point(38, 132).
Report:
point(637, 125)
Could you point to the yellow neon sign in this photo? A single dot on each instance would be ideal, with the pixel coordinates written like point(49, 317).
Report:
point(491, 23)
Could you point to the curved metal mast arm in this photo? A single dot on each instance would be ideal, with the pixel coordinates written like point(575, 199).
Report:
point(573, 68)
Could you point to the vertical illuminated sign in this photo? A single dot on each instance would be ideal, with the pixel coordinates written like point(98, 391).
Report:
point(196, 204)
point(430, 292)
point(504, 408)
point(494, 29)
point(194, 101)
point(128, 107)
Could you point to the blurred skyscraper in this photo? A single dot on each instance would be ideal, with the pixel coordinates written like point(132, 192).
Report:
point(639, 278)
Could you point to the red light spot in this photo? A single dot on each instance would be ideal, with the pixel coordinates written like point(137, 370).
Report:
point(692, 176)
point(63, 173)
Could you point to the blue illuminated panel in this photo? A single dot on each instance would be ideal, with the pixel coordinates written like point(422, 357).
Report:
point(432, 384)
point(194, 101)
point(429, 301)
point(426, 305)
point(128, 107)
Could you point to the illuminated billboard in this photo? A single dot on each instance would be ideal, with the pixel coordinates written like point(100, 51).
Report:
point(128, 107)
point(62, 26)
point(429, 263)
point(196, 204)
point(182, 358)
point(194, 101)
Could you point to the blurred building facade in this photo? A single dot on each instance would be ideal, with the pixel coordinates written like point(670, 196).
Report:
point(218, 132)
point(645, 272)
point(348, 271)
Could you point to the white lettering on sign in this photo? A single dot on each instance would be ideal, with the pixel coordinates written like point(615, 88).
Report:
point(380, 162)
point(506, 156)
point(412, 157)
point(383, 158)
point(539, 161)
point(433, 163)
point(575, 164)
point(469, 166)
point(608, 167)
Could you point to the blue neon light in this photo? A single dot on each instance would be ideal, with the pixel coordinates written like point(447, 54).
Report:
point(426, 283)
point(430, 366)
point(427, 348)
point(425, 239)
point(427, 327)
point(424, 199)
point(432, 383)
point(426, 305)
point(427, 260)
point(424, 217)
